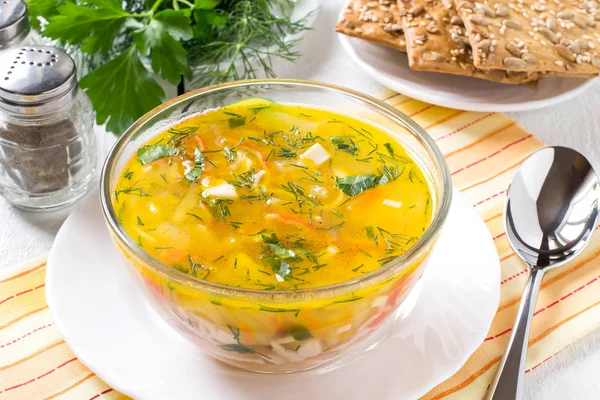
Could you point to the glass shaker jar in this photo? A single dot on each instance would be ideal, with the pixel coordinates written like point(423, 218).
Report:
point(14, 25)
point(47, 142)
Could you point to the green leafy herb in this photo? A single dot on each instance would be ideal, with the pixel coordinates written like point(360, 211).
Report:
point(245, 179)
point(150, 153)
point(383, 261)
point(127, 175)
point(161, 40)
point(236, 348)
point(219, 207)
point(139, 221)
point(237, 122)
point(198, 169)
point(277, 310)
point(207, 41)
point(390, 239)
point(230, 152)
point(300, 195)
point(122, 90)
point(235, 224)
point(358, 268)
point(389, 148)
point(371, 234)
point(299, 166)
point(388, 174)
point(347, 300)
point(345, 144)
point(195, 216)
point(286, 152)
point(131, 190)
point(278, 249)
point(300, 333)
point(279, 257)
point(353, 185)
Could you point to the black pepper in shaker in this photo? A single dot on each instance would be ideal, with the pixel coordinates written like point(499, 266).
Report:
point(47, 144)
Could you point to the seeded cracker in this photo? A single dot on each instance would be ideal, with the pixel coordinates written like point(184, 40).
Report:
point(534, 35)
point(437, 41)
point(377, 21)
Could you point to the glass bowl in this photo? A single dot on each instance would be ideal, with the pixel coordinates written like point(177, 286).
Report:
point(281, 330)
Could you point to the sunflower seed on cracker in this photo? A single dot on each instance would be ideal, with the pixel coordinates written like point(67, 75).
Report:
point(448, 50)
point(560, 37)
point(375, 21)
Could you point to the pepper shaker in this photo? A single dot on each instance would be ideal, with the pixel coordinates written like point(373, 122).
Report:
point(14, 25)
point(47, 142)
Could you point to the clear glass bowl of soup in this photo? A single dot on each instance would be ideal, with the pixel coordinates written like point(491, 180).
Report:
point(279, 225)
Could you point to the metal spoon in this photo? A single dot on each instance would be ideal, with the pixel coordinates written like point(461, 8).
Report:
point(551, 213)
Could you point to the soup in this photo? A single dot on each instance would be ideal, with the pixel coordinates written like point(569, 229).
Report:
point(273, 197)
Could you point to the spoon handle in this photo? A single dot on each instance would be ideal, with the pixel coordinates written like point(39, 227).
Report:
point(508, 382)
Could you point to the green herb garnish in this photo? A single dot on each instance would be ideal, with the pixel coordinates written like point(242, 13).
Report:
point(235, 224)
point(195, 216)
point(236, 348)
point(286, 152)
point(150, 153)
point(371, 234)
point(219, 207)
point(236, 122)
point(278, 249)
point(345, 144)
point(131, 190)
point(353, 185)
point(198, 169)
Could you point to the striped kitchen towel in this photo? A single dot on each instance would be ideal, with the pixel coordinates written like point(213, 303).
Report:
point(482, 149)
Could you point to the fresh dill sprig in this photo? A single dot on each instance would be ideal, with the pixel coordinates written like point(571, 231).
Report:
point(256, 32)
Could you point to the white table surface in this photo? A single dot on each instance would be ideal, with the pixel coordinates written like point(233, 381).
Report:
point(572, 374)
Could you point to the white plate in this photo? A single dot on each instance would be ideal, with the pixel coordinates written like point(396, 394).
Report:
point(390, 68)
point(110, 328)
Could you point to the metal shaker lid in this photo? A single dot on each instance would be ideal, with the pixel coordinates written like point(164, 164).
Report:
point(13, 22)
point(36, 78)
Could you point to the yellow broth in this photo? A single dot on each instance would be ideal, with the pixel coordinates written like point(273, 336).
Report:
point(272, 196)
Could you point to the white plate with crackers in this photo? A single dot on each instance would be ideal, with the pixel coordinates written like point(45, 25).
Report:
point(433, 34)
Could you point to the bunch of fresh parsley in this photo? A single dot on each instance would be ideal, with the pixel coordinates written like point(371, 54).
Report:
point(121, 45)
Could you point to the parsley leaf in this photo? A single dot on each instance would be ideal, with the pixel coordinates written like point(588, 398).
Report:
point(236, 122)
point(281, 256)
point(198, 169)
point(121, 90)
point(353, 185)
point(273, 243)
point(150, 153)
point(94, 25)
point(161, 39)
point(345, 144)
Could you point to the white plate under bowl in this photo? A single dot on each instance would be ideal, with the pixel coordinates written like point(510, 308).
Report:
point(390, 68)
point(110, 328)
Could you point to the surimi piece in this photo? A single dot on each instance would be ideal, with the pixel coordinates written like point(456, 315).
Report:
point(377, 21)
point(316, 153)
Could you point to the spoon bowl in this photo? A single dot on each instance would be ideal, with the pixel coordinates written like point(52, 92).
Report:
point(552, 207)
point(551, 213)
